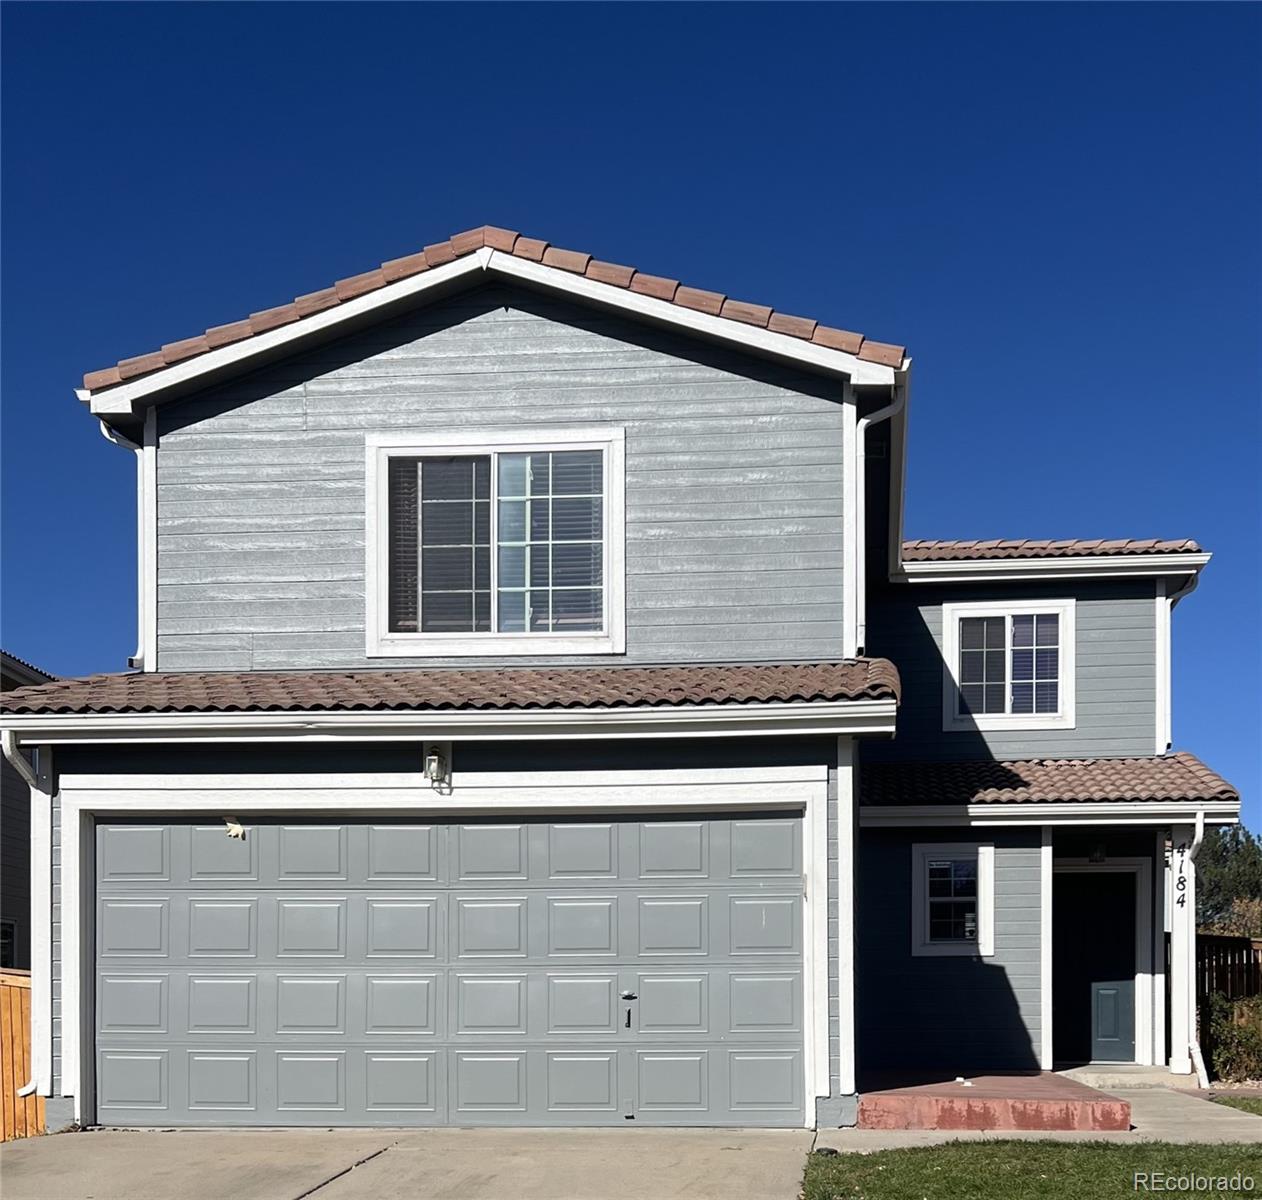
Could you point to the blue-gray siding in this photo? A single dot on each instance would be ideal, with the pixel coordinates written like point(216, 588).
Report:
point(1116, 674)
point(947, 1013)
point(734, 483)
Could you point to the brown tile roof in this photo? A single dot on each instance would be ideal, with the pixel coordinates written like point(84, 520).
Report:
point(930, 551)
point(447, 689)
point(1178, 776)
point(610, 274)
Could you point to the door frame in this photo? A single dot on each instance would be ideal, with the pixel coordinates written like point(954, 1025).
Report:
point(803, 790)
point(1141, 868)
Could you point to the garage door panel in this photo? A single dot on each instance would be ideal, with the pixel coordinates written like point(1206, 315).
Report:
point(475, 973)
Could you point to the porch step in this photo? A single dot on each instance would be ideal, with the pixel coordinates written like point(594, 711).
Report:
point(1127, 1075)
point(1033, 1101)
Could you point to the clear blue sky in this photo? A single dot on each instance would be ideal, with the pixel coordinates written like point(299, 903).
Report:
point(1056, 208)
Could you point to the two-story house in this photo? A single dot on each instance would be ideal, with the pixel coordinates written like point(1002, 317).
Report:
point(538, 719)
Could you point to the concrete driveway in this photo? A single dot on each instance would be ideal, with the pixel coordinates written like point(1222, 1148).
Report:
point(449, 1164)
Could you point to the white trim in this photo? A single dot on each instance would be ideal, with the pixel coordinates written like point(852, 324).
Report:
point(851, 512)
point(1161, 624)
point(800, 789)
point(714, 720)
point(123, 397)
point(1073, 567)
point(610, 440)
point(1160, 1056)
point(847, 842)
point(952, 614)
point(148, 551)
point(1046, 880)
point(1142, 870)
point(921, 945)
point(41, 926)
point(1102, 812)
point(1182, 950)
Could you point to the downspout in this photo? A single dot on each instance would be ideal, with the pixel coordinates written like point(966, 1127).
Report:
point(1194, 1049)
point(137, 660)
point(902, 382)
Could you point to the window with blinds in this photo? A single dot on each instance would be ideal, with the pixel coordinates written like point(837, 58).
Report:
point(502, 542)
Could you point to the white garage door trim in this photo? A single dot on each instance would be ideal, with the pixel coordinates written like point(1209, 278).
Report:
point(789, 787)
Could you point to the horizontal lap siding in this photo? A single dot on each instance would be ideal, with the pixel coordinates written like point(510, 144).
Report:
point(1116, 673)
point(950, 1013)
point(734, 484)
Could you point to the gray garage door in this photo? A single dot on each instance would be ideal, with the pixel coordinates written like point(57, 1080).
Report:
point(490, 973)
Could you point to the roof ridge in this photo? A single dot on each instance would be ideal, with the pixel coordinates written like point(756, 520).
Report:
point(947, 549)
point(510, 242)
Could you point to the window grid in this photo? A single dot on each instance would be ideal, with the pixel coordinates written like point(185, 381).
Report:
point(951, 896)
point(1009, 664)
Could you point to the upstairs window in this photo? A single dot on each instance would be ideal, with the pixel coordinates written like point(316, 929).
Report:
point(1008, 666)
point(510, 546)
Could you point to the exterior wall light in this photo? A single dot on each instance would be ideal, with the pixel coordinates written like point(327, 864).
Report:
point(437, 768)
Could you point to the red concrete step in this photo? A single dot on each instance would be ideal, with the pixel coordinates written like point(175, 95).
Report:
point(1033, 1101)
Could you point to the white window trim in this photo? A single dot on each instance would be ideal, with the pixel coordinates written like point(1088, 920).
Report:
point(379, 448)
point(921, 853)
point(953, 721)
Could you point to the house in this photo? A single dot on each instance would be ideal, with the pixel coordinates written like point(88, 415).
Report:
point(15, 835)
point(538, 719)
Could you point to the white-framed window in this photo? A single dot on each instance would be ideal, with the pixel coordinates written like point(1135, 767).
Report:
point(1008, 665)
point(496, 542)
point(953, 899)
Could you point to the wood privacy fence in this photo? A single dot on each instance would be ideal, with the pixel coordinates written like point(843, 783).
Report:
point(20, 1116)
point(1230, 965)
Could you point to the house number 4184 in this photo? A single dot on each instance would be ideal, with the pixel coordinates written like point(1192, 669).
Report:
point(1181, 880)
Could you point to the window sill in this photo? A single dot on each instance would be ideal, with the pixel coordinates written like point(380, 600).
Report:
point(1014, 722)
point(492, 645)
point(949, 950)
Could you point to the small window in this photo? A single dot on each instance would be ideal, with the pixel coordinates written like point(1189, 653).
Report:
point(1008, 666)
point(953, 899)
point(513, 547)
point(8, 944)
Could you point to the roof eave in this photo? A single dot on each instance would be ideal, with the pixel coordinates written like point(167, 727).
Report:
point(124, 399)
point(1052, 812)
point(979, 570)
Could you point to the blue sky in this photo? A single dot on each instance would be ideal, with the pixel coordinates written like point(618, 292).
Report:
point(1055, 207)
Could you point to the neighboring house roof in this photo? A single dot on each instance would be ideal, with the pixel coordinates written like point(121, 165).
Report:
point(17, 672)
point(508, 242)
point(456, 689)
point(1178, 776)
point(923, 550)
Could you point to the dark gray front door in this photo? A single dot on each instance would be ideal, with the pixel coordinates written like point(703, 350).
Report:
point(1113, 1021)
point(494, 972)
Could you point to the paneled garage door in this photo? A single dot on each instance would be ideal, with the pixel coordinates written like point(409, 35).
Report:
point(489, 973)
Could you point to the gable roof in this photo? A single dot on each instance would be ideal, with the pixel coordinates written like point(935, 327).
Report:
point(923, 550)
point(507, 242)
point(457, 689)
point(17, 672)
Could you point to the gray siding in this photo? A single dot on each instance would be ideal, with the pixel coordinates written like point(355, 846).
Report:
point(1116, 672)
point(734, 483)
point(947, 1013)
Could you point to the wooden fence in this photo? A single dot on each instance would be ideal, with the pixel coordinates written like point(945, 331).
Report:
point(1230, 965)
point(20, 1116)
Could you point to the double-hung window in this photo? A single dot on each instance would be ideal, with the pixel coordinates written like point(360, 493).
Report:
point(1008, 665)
point(953, 899)
point(508, 544)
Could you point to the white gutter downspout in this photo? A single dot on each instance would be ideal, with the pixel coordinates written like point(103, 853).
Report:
point(1194, 1048)
point(41, 918)
point(137, 660)
point(902, 381)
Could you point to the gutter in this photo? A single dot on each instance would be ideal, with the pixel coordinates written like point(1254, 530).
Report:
point(136, 660)
point(902, 384)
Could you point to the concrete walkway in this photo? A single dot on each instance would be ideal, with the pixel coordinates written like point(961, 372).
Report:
point(1157, 1114)
point(447, 1164)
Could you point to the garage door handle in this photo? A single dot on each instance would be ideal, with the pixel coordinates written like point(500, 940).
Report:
point(629, 996)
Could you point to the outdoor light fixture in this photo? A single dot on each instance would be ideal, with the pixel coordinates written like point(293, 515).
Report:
point(1097, 854)
point(437, 766)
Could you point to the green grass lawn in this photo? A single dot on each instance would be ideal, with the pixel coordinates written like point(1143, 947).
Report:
point(1015, 1170)
point(1249, 1104)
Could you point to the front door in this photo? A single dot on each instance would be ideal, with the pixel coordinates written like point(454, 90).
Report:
point(1093, 966)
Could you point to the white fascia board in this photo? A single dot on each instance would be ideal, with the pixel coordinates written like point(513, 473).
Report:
point(123, 398)
point(1084, 566)
point(846, 716)
point(1146, 812)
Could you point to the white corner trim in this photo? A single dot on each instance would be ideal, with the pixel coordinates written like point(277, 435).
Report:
point(702, 720)
point(847, 843)
point(1161, 623)
point(379, 642)
point(921, 946)
point(850, 515)
point(952, 613)
point(1046, 881)
point(41, 851)
point(1082, 566)
point(815, 943)
point(123, 397)
point(1160, 1054)
point(148, 549)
